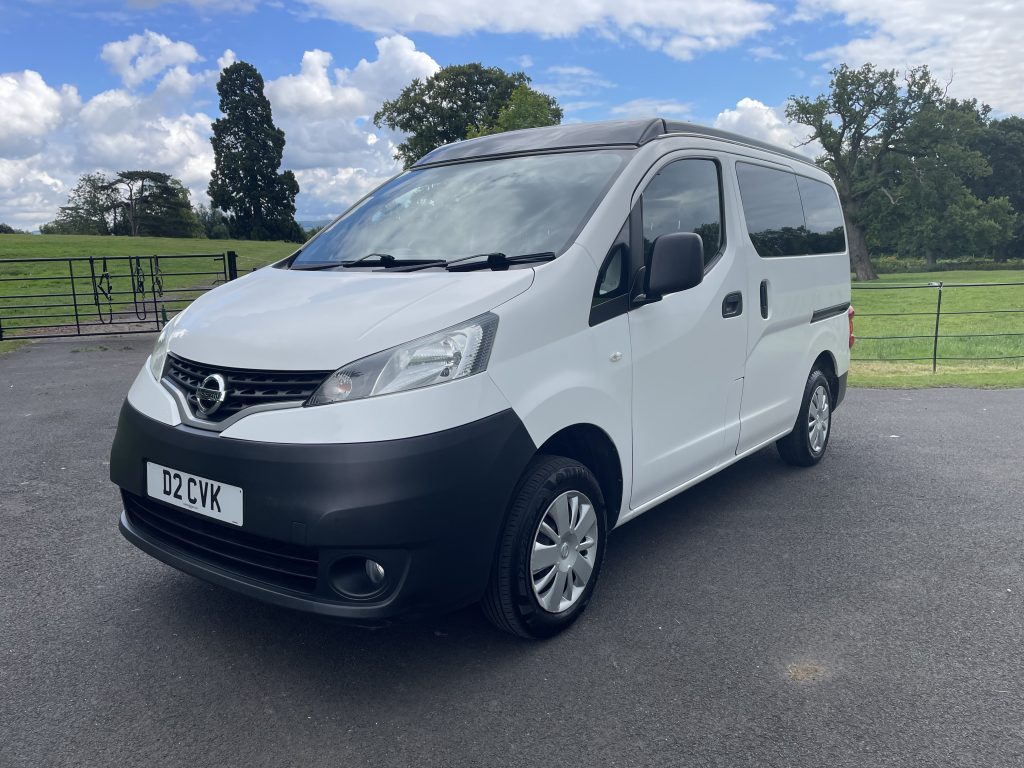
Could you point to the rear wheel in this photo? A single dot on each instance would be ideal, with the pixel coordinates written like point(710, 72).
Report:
point(806, 444)
point(551, 550)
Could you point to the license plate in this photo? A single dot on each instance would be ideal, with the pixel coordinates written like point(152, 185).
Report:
point(196, 494)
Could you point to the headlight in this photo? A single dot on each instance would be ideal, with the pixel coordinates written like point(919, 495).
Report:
point(455, 353)
point(158, 356)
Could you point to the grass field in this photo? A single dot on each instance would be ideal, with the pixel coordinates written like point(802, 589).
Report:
point(914, 308)
point(914, 315)
point(250, 253)
point(50, 301)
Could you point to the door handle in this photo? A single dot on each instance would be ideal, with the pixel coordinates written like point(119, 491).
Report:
point(732, 305)
point(764, 299)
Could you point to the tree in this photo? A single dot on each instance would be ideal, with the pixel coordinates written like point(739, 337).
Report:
point(91, 209)
point(928, 206)
point(247, 149)
point(140, 203)
point(154, 204)
point(862, 122)
point(7, 229)
point(1002, 144)
point(459, 100)
point(526, 108)
point(213, 223)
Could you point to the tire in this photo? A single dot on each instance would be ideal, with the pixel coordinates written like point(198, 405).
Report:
point(523, 599)
point(807, 443)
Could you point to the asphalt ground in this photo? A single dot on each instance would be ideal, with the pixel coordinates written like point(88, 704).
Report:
point(866, 612)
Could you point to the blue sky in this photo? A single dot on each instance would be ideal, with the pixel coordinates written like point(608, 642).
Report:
point(110, 85)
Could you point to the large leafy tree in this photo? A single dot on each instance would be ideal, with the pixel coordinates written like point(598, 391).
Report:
point(92, 209)
point(526, 108)
point(459, 101)
point(1002, 143)
point(248, 148)
point(153, 204)
point(139, 203)
point(927, 206)
point(861, 123)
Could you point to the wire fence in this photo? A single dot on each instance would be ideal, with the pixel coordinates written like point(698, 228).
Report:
point(101, 295)
point(950, 329)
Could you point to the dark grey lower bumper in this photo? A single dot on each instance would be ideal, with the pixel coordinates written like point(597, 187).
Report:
point(429, 508)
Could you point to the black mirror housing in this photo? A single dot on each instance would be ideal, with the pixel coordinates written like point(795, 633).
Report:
point(677, 264)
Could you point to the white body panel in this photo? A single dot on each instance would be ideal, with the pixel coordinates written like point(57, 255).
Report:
point(679, 390)
point(687, 373)
point(283, 319)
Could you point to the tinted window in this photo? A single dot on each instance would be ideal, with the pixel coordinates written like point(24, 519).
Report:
point(771, 206)
point(685, 196)
point(789, 215)
point(512, 205)
point(824, 216)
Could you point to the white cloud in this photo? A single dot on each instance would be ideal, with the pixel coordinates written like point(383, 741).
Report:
point(762, 52)
point(31, 110)
point(681, 30)
point(757, 120)
point(145, 56)
point(579, 106)
point(49, 136)
point(327, 115)
point(639, 108)
point(525, 61)
point(976, 43)
point(571, 81)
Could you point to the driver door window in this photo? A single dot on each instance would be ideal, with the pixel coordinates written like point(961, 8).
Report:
point(685, 196)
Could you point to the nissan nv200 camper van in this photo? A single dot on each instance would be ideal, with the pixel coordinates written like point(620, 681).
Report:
point(457, 390)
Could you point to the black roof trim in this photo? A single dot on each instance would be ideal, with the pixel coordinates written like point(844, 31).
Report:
point(613, 133)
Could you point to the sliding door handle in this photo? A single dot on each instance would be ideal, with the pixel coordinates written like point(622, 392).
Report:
point(732, 305)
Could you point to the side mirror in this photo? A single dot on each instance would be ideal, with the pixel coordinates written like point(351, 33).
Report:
point(677, 264)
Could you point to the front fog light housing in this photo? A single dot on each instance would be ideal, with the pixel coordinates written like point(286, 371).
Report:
point(451, 354)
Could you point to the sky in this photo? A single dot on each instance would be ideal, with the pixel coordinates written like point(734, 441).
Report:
point(130, 84)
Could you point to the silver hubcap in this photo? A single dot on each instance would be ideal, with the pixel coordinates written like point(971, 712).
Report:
point(564, 548)
point(818, 414)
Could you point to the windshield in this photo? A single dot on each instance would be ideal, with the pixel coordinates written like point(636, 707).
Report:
point(515, 205)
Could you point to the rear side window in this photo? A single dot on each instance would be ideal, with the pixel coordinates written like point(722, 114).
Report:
point(789, 215)
point(685, 196)
point(824, 216)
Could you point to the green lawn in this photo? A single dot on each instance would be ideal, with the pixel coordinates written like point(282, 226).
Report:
point(896, 371)
point(51, 296)
point(250, 253)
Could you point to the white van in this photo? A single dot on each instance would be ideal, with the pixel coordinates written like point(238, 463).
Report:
point(459, 388)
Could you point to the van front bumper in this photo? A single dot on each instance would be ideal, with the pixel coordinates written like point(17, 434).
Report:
point(429, 509)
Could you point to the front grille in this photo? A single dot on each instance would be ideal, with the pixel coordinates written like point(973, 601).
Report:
point(245, 388)
point(274, 562)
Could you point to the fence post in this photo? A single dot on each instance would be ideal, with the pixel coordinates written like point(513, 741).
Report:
point(231, 264)
point(74, 296)
point(938, 314)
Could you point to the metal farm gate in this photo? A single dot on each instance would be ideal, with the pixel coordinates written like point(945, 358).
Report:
point(100, 295)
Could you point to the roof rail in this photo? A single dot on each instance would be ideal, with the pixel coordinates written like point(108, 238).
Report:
point(612, 133)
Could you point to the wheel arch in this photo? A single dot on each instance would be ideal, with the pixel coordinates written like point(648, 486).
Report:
point(826, 361)
point(593, 448)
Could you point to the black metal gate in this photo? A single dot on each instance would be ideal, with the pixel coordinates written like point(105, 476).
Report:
point(100, 295)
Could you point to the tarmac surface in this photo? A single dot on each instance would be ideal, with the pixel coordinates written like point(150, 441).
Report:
point(866, 612)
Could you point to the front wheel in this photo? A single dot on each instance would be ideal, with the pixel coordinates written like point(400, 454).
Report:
point(806, 444)
point(551, 550)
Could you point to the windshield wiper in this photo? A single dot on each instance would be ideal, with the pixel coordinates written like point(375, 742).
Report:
point(385, 260)
point(496, 261)
point(388, 261)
